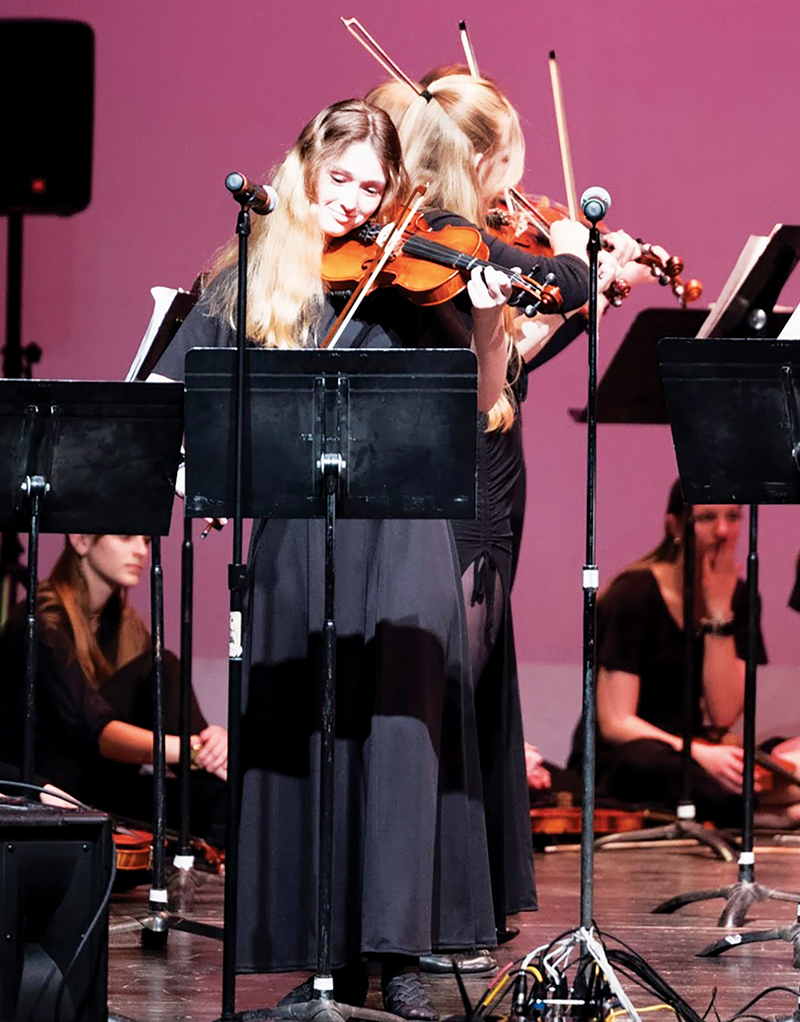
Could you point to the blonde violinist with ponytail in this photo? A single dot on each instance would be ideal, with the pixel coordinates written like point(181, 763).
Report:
point(462, 136)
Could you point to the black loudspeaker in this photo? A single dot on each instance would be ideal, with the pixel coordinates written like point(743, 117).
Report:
point(46, 115)
point(55, 871)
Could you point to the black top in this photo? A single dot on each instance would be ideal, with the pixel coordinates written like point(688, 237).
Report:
point(571, 272)
point(70, 712)
point(638, 635)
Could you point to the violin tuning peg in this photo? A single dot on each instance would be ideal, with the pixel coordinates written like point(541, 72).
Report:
point(531, 310)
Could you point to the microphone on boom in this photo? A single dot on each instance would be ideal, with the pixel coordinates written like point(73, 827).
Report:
point(262, 199)
point(595, 203)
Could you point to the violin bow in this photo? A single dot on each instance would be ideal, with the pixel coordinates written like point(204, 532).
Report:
point(394, 232)
point(512, 195)
point(469, 53)
point(375, 50)
point(563, 138)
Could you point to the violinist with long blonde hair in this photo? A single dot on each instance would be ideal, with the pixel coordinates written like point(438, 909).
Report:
point(462, 136)
point(407, 785)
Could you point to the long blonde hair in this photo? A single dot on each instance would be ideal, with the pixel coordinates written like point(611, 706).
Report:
point(65, 592)
point(285, 290)
point(441, 137)
point(391, 96)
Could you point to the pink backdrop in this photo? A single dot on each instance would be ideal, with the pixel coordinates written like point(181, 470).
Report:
point(686, 112)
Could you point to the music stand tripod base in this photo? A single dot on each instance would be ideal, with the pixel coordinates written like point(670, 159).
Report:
point(673, 831)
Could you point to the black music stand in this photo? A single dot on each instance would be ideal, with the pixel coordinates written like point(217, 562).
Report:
point(357, 433)
point(747, 306)
point(65, 472)
point(734, 408)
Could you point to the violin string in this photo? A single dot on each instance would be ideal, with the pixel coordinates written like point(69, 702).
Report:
point(424, 248)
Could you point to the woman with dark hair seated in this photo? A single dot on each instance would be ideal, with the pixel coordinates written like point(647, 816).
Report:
point(641, 658)
point(94, 722)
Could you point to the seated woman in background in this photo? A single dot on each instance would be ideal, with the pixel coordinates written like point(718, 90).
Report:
point(94, 693)
point(640, 662)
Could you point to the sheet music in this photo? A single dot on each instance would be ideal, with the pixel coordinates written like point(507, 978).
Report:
point(791, 331)
point(162, 299)
point(753, 249)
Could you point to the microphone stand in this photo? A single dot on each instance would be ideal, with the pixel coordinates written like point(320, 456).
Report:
point(237, 572)
point(590, 580)
point(585, 937)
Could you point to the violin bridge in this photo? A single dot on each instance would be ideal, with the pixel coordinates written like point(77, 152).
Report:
point(384, 234)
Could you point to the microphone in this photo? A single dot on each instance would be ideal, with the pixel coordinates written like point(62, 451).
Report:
point(262, 199)
point(595, 203)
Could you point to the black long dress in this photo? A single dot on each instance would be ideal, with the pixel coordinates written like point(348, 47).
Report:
point(410, 858)
point(488, 548)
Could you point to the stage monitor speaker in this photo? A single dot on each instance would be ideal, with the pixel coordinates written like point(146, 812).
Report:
point(46, 115)
point(55, 870)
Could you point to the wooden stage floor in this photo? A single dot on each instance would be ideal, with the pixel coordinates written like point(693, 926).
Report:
point(183, 981)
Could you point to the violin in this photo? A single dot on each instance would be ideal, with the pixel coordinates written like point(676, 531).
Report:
point(568, 820)
point(134, 855)
point(528, 227)
point(429, 266)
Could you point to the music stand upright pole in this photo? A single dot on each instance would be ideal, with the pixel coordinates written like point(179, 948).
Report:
point(184, 859)
point(686, 808)
point(747, 870)
point(10, 547)
point(35, 488)
point(154, 934)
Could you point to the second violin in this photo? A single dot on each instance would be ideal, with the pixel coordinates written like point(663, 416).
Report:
point(525, 221)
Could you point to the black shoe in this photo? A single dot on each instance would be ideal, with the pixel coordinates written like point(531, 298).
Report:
point(469, 963)
point(300, 994)
point(404, 995)
point(506, 934)
point(350, 986)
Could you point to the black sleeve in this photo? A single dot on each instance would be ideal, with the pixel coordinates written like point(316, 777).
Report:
point(740, 606)
point(622, 623)
point(79, 709)
point(200, 330)
point(129, 691)
point(571, 272)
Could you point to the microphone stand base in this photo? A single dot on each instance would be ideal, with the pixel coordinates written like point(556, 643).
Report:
point(316, 1011)
point(738, 899)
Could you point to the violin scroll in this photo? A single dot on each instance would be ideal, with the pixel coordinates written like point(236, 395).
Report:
point(668, 273)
